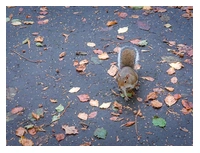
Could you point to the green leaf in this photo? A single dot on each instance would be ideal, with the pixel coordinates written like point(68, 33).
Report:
point(38, 111)
point(100, 133)
point(143, 43)
point(7, 19)
point(38, 44)
point(25, 41)
point(129, 94)
point(29, 126)
point(55, 118)
point(60, 108)
point(137, 7)
point(157, 121)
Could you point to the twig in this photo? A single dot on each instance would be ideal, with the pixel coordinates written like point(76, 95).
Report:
point(38, 61)
point(136, 130)
point(65, 109)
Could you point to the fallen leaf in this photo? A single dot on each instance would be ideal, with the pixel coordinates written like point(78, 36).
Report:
point(177, 96)
point(35, 116)
point(120, 37)
point(41, 16)
point(160, 9)
point(59, 137)
point(137, 66)
point(62, 54)
point(157, 121)
point(176, 65)
point(135, 16)
point(83, 116)
point(116, 118)
point(151, 96)
point(186, 111)
point(81, 68)
point(66, 36)
point(122, 14)
point(174, 80)
point(43, 8)
point(45, 88)
point(135, 41)
point(55, 118)
point(91, 44)
point(169, 89)
point(184, 129)
point(16, 23)
point(98, 51)
point(26, 142)
point(122, 30)
point(39, 39)
point(167, 25)
point(117, 105)
point(129, 123)
point(142, 43)
point(75, 63)
point(94, 103)
point(170, 59)
point(38, 44)
point(86, 144)
point(20, 131)
point(112, 70)
point(105, 105)
point(60, 108)
point(32, 131)
point(103, 56)
point(111, 23)
point(139, 99)
point(158, 90)
point(43, 21)
point(70, 129)
point(28, 22)
point(85, 61)
point(74, 89)
point(116, 49)
point(143, 25)
point(170, 100)
point(156, 104)
point(147, 8)
point(92, 114)
point(148, 78)
point(100, 133)
point(84, 97)
point(17, 110)
point(170, 71)
point(53, 100)
point(44, 13)
point(186, 104)
point(171, 43)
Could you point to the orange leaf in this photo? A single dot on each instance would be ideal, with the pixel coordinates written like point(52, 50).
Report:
point(156, 104)
point(113, 70)
point(103, 56)
point(170, 71)
point(151, 96)
point(94, 103)
point(169, 88)
point(17, 110)
point(111, 23)
point(62, 54)
point(83, 116)
point(129, 123)
point(170, 100)
point(148, 78)
point(59, 137)
point(20, 131)
point(26, 142)
point(35, 116)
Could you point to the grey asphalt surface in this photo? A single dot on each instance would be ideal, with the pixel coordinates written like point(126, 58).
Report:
point(88, 24)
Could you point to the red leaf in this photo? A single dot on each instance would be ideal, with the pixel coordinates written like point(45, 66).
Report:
point(84, 97)
point(17, 110)
point(59, 137)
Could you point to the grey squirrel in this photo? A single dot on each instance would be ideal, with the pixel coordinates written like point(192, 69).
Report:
point(127, 78)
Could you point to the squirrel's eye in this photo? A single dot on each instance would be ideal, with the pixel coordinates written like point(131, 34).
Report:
point(124, 81)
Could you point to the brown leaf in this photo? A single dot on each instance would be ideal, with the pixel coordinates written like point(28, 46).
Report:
point(66, 36)
point(169, 89)
point(103, 56)
point(184, 129)
point(186, 111)
point(83, 116)
point(59, 137)
point(17, 110)
point(62, 54)
point(92, 114)
point(86, 144)
point(171, 43)
point(43, 13)
point(85, 61)
point(122, 14)
point(177, 96)
point(81, 68)
point(20, 131)
point(170, 71)
point(158, 90)
point(53, 100)
point(35, 116)
point(43, 8)
point(117, 105)
point(45, 88)
point(152, 96)
point(148, 78)
point(43, 21)
point(147, 8)
point(135, 16)
point(170, 100)
point(160, 9)
point(70, 129)
point(111, 23)
point(39, 39)
point(28, 22)
point(143, 25)
point(156, 104)
point(98, 51)
point(176, 65)
point(135, 41)
point(32, 131)
point(41, 16)
point(116, 49)
point(186, 104)
point(29, 44)
point(129, 123)
point(116, 119)
point(139, 99)
point(94, 103)
point(26, 142)
point(35, 33)
point(174, 80)
point(74, 89)
point(120, 37)
point(84, 97)
point(112, 70)
point(75, 63)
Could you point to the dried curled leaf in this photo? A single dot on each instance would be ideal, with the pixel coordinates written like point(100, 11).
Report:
point(151, 96)
point(156, 104)
point(111, 23)
point(74, 89)
point(83, 116)
point(84, 97)
point(170, 100)
point(70, 129)
point(62, 54)
point(174, 80)
point(103, 56)
point(94, 103)
point(112, 70)
point(122, 30)
point(148, 78)
point(176, 65)
point(105, 105)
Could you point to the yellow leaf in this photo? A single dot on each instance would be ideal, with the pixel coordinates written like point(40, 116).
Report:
point(105, 105)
